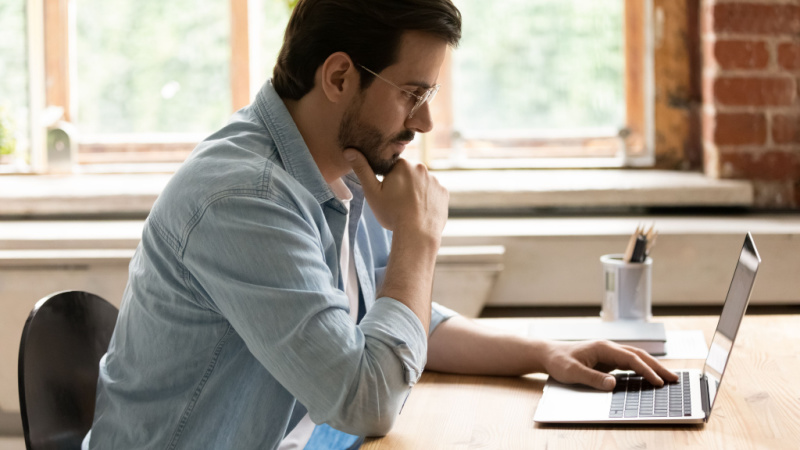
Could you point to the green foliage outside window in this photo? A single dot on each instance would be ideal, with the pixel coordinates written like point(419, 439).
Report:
point(152, 66)
point(539, 64)
point(13, 75)
point(8, 143)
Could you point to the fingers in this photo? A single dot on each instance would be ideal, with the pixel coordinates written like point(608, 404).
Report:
point(630, 359)
point(585, 363)
point(596, 379)
point(362, 169)
point(625, 357)
point(659, 368)
point(643, 363)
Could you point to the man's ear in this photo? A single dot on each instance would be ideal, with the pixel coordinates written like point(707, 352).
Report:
point(339, 76)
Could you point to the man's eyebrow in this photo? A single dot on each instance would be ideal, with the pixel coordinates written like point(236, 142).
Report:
point(420, 84)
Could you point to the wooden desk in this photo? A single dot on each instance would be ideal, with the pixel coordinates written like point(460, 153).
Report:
point(758, 406)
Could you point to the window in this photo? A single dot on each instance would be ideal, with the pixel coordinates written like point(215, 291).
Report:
point(150, 72)
point(148, 65)
point(178, 71)
point(544, 83)
point(526, 66)
point(14, 99)
point(534, 82)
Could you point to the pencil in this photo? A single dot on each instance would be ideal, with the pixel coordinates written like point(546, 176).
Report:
point(631, 245)
point(651, 243)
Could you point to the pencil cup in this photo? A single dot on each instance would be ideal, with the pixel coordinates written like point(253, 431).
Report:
point(627, 289)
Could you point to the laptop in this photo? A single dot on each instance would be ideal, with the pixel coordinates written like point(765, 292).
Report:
point(636, 401)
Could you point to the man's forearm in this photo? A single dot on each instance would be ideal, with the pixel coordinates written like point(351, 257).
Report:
point(459, 345)
point(409, 273)
point(412, 204)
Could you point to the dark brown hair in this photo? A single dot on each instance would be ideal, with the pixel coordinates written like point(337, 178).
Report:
point(369, 31)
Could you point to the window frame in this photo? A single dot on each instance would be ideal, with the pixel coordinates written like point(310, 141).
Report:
point(35, 24)
point(55, 36)
point(639, 109)
point(51, 19)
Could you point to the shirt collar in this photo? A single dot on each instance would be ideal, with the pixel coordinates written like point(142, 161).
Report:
point(294, 153)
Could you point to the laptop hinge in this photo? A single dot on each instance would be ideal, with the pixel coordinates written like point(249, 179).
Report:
point(704, 401)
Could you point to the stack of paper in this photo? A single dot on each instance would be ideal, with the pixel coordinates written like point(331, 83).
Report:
point(649, 336)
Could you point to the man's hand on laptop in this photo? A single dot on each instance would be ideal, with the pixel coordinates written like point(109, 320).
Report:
point(585, 363)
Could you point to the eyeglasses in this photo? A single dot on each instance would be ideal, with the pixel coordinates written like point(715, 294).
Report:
point(426, 96)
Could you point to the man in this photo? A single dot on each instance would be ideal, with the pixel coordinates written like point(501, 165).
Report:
point(268, 304)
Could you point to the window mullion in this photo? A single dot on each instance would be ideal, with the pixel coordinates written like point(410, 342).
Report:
point(56, 36)
point(37, 98)
point(240, 54)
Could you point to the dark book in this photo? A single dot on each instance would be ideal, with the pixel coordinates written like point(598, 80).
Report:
point(649, 336)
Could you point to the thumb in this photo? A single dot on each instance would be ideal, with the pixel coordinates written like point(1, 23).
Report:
point(596, 379)
point(362, 169)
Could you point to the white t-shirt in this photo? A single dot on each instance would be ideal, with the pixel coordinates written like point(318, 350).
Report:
point(299, 436)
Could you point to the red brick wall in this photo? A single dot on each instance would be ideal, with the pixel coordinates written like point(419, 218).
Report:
point(751, 96)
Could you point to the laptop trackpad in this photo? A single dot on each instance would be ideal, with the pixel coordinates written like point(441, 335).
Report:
point(571, 403)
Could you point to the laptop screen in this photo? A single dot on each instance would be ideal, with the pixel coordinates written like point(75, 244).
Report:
point(732, 312)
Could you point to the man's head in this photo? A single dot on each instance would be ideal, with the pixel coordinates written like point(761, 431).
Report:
point(373, 35)
point(367, 30)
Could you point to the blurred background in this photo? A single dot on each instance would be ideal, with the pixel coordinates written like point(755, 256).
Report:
point(561, 126)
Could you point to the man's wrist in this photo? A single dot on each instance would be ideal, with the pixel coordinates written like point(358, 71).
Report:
point(539, 354)
point(414, 237)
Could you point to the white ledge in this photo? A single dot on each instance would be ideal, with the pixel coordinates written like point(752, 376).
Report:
point(134, 194)
point(591, 188)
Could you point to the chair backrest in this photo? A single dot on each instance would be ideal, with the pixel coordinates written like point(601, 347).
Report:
point(63, 340)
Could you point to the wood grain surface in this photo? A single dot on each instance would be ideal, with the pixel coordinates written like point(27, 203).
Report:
point(758, 406)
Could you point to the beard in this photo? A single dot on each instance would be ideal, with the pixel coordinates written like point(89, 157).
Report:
point(367, 139)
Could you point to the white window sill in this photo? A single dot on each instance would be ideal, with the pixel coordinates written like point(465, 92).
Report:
point(502, 190)
point(523, 189)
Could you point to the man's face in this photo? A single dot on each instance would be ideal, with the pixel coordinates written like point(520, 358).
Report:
point(376, 121)
point(356, 133)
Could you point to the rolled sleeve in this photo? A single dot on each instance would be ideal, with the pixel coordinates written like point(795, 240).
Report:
point(439, 314)
point(263, 267)
point(380, 242)
point(387, 321)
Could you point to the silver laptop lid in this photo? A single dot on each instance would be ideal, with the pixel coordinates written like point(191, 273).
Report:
point(732, 313)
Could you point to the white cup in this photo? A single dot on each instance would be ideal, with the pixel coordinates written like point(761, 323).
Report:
point(627, 289)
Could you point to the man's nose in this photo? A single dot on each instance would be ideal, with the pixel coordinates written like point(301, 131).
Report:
point(422, 121)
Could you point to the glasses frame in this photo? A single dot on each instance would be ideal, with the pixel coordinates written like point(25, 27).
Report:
point(426, 96)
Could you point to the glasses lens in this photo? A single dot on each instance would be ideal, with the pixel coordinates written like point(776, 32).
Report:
point(432, 94)
point(420, 102)
point(426, 97)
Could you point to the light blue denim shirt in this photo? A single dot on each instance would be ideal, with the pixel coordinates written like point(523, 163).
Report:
point(234, 322)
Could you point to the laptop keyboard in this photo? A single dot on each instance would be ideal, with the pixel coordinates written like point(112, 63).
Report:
point(636, 397)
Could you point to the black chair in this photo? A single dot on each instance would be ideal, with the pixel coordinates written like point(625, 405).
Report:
point(63, 340)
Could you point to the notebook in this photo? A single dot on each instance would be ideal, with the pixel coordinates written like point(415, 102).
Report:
point(649, 336)
point(634, 400)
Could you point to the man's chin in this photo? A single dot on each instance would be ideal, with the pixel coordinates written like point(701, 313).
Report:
point(383, 166)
